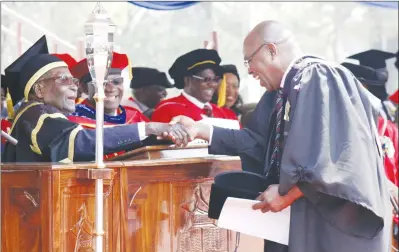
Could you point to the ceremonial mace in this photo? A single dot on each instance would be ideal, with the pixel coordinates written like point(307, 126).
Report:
point(99, 38)
point(9, 138)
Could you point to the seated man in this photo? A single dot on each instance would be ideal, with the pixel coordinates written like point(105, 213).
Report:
point(71, 62)
point(148, 89)
point(114, 113)
point(43, 132)
point(199, 74)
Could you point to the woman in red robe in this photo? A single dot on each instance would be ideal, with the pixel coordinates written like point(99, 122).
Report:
point(227, 97)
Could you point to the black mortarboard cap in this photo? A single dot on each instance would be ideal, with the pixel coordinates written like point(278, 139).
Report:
point(367, 75)
point(231, 69)
point(373, 58)
point(145, 76)
point(33, 69)
point(193, 62)
point(13, 71)
point(374, 80)
point(236, 184)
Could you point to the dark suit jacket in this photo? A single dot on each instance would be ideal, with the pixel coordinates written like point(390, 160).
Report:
point(46, 135)
point(250, 143)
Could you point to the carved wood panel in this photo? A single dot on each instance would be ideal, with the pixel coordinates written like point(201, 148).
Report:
point(195, 231)
point(173, 217)
point(26, 203)
point(20, 212)
point(78, 215)
point(148, 216)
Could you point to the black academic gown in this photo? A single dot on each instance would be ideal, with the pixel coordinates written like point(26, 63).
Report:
point(332, 153)
point(44, 134)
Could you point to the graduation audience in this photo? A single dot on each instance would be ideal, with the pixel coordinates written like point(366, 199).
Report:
point(41, 127)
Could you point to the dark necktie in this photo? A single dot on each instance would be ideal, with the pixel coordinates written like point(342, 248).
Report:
point(277, 147)
point(207, 111)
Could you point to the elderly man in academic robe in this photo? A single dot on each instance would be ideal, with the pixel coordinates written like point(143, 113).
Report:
point(323, 151)
point(43, 131)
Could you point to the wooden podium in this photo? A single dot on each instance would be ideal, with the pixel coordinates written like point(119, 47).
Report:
point(155, 199)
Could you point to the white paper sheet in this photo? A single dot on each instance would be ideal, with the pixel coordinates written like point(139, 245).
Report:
point(238, 215)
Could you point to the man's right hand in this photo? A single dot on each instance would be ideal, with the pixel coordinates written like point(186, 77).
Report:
point(194, 129)
point(176, 133)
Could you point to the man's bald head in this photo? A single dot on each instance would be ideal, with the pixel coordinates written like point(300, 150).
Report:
point(269, 31)
point(268, 49)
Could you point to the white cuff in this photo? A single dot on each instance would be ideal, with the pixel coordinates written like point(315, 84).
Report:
point(210, 135)
point(141, 129)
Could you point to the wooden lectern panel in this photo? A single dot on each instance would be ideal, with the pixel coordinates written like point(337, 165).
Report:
point(168, 211)
point(155, 200)
point(20, 212)
point(50, 210)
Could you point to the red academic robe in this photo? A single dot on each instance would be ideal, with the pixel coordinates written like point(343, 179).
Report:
point(229, 114)
point(395, 97)
point(5, 126)
point(180, 105)
point(388, 131)
point(131, 103)
point(132, 116)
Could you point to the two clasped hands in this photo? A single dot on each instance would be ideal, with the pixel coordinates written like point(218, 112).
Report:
point(183, 129)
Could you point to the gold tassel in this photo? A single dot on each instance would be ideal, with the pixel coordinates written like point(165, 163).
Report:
point(222, 92)
point(129, 65)
point(10, 106)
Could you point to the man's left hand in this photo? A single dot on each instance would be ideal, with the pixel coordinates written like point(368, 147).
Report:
point(272, 201)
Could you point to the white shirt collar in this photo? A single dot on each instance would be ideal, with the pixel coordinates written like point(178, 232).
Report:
point(194, 100)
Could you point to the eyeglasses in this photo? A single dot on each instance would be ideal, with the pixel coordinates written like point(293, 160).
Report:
point(116, 81)
point(64, 80)
point(215, 79)
point(247, 61)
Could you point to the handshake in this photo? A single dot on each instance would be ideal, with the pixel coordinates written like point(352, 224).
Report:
point(181, 130)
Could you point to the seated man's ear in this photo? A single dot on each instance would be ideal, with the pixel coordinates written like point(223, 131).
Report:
point(38, 90)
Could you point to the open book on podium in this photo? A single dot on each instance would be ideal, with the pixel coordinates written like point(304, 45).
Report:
point(238, 215)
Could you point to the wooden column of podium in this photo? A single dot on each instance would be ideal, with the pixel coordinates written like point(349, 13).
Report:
point(155, 200)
